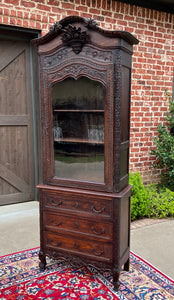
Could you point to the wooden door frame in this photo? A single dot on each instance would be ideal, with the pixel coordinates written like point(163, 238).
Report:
point(23, 34)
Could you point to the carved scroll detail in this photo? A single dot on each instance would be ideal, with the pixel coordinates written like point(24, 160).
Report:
point(76, 71)
point(90, 52)
point(55, 59)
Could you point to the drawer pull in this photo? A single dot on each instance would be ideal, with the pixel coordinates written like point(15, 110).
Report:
point(102, 231)
point(76, 205)
point(76, 224)
point(53, 202)
point(97, 211)
point(55, 224)
point(76, 245)
point(54, 244)
point(97, 253)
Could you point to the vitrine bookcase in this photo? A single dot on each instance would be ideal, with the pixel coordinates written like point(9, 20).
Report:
point(85, 79)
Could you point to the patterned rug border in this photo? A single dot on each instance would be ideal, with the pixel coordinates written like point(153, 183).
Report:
point(153, 267)
point(21, 251)
point(131, 252)
point(158, 278)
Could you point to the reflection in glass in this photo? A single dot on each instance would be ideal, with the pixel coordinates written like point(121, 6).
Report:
point(78, 129)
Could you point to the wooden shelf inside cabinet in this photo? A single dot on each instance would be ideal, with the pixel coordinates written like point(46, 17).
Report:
point(71, 140)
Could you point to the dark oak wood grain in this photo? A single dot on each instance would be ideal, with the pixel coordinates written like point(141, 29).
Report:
point(87, 221)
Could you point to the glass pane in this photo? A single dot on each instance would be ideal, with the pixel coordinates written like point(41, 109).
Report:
point(78, 128)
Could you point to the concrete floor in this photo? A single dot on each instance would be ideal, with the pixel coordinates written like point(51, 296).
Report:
point(19, 228)
point(155, 243)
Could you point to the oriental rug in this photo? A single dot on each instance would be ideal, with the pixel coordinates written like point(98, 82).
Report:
point(20, 278)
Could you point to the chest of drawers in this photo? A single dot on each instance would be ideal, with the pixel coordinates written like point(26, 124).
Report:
point(85, 228)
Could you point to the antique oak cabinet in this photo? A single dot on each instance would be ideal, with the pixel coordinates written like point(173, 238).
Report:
point(85, 76)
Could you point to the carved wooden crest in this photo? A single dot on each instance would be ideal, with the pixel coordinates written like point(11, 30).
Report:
point(75, 38)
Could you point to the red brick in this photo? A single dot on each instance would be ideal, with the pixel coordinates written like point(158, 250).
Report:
point(73, 13)
point(58, 10)
point(98, 18)
point(82, 8)
point(12, 21)
point(14, 2)
point(98, 3)
point(32, 24)
point(43, 7)
point(118, 16)
point(68, 5)
point(5, 20)
point(6, 12)
point(27, 4)
point(103, 4)
point(32, 17)
point(85, 15)
point(38, 25)
point(107, 13)
point(52, 2)
point(25, 23)
point(123, 23)
point(19, 22)
point(26, 15)
point(94, 2)
point(134, 160)
point(108, 7)
point(94, 11)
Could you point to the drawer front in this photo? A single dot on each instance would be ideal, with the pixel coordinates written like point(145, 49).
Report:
point(77, 202)
point(84, 226)
point(97, 250)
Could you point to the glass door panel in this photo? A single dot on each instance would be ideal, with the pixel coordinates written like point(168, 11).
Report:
point(78, 129)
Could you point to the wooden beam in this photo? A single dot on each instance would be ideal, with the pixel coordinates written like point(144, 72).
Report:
point(13, 179)
point(161, 5)
point(15, 198)
point(10, 120)
point(8, 55)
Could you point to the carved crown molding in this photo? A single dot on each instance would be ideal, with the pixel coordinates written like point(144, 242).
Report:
point(58, 27)
point(75, 38)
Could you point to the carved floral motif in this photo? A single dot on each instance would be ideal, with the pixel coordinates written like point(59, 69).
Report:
point(99, 54)
point(75, 38)
point(91, 23)
point(91, 52)
point(55, 59)
point(56, 27)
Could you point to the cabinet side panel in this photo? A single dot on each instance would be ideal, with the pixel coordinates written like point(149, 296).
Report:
point(125, 127)
point(124, 225)
point(125, 105)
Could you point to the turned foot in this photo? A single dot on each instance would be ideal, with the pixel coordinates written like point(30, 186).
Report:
point(42, 263)
point(126, 265)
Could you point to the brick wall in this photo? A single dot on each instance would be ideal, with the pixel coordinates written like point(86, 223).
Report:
point(153, 59)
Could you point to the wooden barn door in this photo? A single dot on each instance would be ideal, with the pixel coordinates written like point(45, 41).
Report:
point(16, 138)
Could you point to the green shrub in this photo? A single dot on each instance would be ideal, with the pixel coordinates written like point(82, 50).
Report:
point(161, 202)
point(164, 151)
point(139, 197)
point(150, 201)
